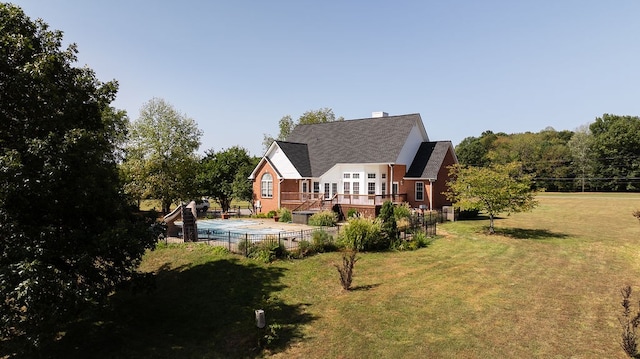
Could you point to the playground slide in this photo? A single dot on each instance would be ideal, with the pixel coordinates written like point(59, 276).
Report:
point(174, 215)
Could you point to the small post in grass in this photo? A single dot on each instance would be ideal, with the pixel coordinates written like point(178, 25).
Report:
point(261, 321)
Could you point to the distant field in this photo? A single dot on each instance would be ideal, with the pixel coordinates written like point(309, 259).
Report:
point(546, 286)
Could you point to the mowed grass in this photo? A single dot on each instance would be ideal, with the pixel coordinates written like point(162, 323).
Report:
point(547, 285)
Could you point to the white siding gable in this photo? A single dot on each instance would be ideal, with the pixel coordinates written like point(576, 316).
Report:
point(411, 145)
point(282, 163)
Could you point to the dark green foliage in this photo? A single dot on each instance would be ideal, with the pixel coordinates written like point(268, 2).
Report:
point(67, 234)
point(267, 250)
point(389, 226)
point(352, 213)
point(324, 219)
point(616, 152)
point(223, 176)
point(272, 213)
point(322, 242)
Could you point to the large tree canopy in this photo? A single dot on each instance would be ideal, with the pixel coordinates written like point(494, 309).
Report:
point(161, 161)
point(494, 190)
point(67, 237)
point(286, 123)
point(224, 176)
point(616, 151)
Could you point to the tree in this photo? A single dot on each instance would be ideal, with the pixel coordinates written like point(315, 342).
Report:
point(616, 151)
point(161, 162)
point(389, 227)
point(224, 175)
point(287, 124)
point(580, 149)
point(496, 189)
point(67, 235)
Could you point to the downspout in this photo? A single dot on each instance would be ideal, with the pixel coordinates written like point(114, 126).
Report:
point(430, 195)
point(390, 187)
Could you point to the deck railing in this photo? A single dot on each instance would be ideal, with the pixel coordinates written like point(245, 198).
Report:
point(354, 199)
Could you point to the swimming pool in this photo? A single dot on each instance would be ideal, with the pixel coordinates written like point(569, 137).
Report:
point(236, 226)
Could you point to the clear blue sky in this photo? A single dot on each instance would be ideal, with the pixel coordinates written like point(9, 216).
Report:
point(237, 67)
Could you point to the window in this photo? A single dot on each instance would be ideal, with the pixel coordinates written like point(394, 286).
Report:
point(383, 176)
point(419, 191)
point(334, 188)
point(327, 195)
point(371, 188)
point(383, 187)
point(371, 175)
point(347, 187)
point(266, 186)
point(356, 187)
point(356, 176)
point(316, 187)
point(346, 175)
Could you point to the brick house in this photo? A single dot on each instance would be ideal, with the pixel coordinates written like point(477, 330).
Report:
point(354, 164)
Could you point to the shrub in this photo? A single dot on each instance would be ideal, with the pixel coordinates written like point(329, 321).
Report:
point(272, 213)
point(389, 226)
point(352, 213)
point(285, 215)
point(324, 219)
point(346, 269)
point(322, 241)
point(402, 211)
point(363, 234)
point(305, 248)
point(629, 323)
point(267, 250)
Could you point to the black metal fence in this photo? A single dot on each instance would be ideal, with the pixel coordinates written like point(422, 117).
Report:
point(239, 243)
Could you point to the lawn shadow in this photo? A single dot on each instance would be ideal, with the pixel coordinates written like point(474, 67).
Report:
point(524, 233)
point(364, 287)
point(203, 311)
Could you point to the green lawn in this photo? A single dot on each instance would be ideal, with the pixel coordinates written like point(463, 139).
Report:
point(546, 286)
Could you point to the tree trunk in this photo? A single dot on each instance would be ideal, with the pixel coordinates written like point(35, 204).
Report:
point(491, 229)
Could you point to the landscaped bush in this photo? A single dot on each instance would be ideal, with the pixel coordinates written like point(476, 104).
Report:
point(389, 227)
point(352, 213)
point(363, 234)
point(322, 242)
point(305, 248)
point(417, 240)
point(324, 219)
point(272, 213)
point(267, 250)
point(402, 211)
point(285, 215)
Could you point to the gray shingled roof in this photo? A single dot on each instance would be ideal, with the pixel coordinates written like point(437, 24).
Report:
point(428, 160)
point(298, 155)
point(370, 140)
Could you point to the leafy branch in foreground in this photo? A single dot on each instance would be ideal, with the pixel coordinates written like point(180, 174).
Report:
point(629, 324)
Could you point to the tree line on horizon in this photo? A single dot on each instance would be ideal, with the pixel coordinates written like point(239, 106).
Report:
point(601, 156)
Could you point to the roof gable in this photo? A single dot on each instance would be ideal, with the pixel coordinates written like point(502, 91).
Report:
point(298, 155)
point(428, 160)
point(370, 140)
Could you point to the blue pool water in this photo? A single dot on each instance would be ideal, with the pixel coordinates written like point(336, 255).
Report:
point(234, 226)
